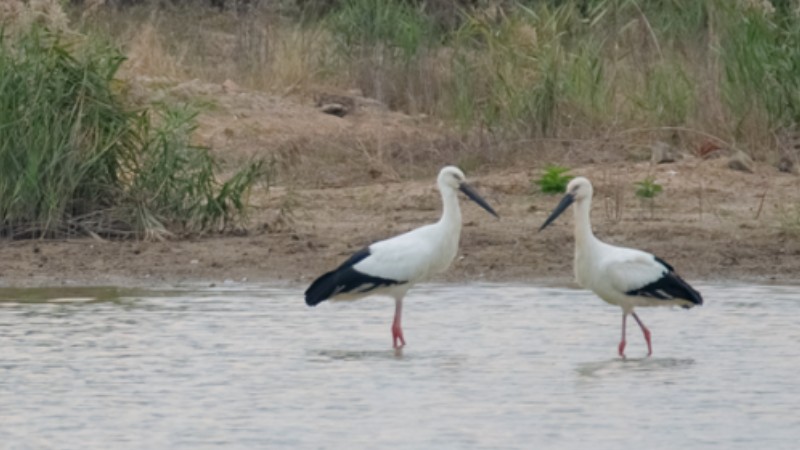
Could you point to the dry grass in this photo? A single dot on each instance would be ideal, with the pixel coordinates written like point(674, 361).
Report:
point(16, 15)
point(789, 220)
point(259, 51)
point(148, 56)
point(527, 78)
point(295, 59)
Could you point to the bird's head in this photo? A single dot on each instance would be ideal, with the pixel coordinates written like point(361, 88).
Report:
point(451, 177)
point(578, 190)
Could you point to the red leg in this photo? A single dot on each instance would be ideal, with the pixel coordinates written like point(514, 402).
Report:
point(622, 342)
point(646, 333)
point(397, 331)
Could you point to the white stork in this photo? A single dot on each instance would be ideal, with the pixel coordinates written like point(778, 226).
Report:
point(621, 276)
point(392, 266)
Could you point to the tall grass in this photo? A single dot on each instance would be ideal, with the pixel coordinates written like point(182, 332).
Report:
point(398, 25)
point(75, 160)
point(667, 95)
point(389, 50)
point(62, 131)
point(762, 65)
point(521, 73)
point(523, 70)
point(174, 185)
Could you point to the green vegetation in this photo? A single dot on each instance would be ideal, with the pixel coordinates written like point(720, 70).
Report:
point(75, 160)
point(629, 70)
point(554, 180)
point(762, 65)
point(576, 68)
point(647, 190)
point(512, 76)
point(382, 45)
point(362, 23)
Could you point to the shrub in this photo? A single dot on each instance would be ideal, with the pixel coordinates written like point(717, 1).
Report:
point(75, 160)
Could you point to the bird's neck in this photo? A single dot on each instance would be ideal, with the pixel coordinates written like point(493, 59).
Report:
point(585, 244)
point(584, 238)
point(451, 213)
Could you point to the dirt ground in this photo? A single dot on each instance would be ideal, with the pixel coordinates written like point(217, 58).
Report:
point(343, 182)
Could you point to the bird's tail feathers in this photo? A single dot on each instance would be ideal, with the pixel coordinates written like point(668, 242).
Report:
point(321, 289)
point(692, 296)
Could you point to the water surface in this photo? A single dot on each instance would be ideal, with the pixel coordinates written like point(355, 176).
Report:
point(486, 366)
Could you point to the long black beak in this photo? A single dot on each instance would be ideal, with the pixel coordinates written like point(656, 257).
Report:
point(473, 195)
point(562, 205)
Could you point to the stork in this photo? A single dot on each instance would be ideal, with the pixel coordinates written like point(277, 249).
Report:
point(621, 276)
point(392, 266)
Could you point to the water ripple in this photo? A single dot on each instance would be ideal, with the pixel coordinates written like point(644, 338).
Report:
point(487, 366)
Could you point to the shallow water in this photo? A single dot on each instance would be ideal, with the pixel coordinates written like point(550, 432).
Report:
point(486, 366)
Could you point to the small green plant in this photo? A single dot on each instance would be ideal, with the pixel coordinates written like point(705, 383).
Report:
point(647, 190)
point(554, 179)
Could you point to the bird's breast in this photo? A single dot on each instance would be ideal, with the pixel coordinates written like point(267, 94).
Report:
point(445, 253)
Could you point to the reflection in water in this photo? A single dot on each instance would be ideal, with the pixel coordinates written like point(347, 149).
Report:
point(61, 294)
point(486, 367)
point(356, 355)
point(617, 365)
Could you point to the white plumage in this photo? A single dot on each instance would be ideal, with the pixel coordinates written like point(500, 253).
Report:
point(391, 267)
point(621, 276)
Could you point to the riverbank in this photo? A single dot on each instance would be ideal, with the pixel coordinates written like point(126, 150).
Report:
point(710, 222)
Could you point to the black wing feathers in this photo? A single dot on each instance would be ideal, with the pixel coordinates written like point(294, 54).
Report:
point(345, 279)
point(669, 287)
point(664, 263)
